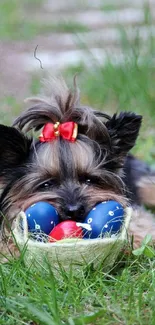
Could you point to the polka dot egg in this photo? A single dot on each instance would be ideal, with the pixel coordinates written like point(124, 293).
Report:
point(105, 217)
point(42, 217)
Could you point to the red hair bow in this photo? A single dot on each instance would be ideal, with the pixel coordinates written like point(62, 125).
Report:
point(67, 131)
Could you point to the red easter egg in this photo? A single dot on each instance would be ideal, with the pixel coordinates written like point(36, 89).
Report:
point(65, 229)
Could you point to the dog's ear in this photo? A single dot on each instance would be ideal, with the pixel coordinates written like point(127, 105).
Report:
point(123, 130)
point(14, 147)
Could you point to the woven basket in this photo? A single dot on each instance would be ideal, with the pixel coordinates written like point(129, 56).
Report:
point(75, 253)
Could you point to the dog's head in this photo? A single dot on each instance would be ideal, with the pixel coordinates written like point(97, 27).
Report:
point(73, 176)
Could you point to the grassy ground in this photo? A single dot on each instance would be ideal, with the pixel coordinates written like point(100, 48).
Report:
point(126, 295)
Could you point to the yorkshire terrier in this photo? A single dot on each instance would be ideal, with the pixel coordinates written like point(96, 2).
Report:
point(80, 158)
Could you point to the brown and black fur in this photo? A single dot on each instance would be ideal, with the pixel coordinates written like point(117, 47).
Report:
point(72, 176)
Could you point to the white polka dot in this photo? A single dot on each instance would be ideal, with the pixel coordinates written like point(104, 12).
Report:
point(51, 222)
point(111, 213)
point(117, 207)
point(29, 215)
point(94, 208)
point(105, 226)
point(104, 202)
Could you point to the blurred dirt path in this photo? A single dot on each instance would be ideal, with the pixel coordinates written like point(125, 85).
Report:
point(59, 50)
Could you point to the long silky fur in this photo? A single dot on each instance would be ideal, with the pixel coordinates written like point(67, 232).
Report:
point(99, 154)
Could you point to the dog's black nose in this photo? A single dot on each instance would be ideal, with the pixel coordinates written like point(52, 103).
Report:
point(74, 212)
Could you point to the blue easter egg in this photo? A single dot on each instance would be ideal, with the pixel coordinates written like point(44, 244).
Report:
point(42, 217)
point(105, 217)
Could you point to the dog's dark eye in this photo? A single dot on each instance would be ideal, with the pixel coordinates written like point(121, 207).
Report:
point(48, 184)
point(88, 180)
point(85, 179)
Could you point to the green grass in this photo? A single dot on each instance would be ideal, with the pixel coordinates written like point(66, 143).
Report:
point(110, 7)
point(13, 26)
point(70, 27)
point(17, 21)
point(10, 105)
point(124, 296)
